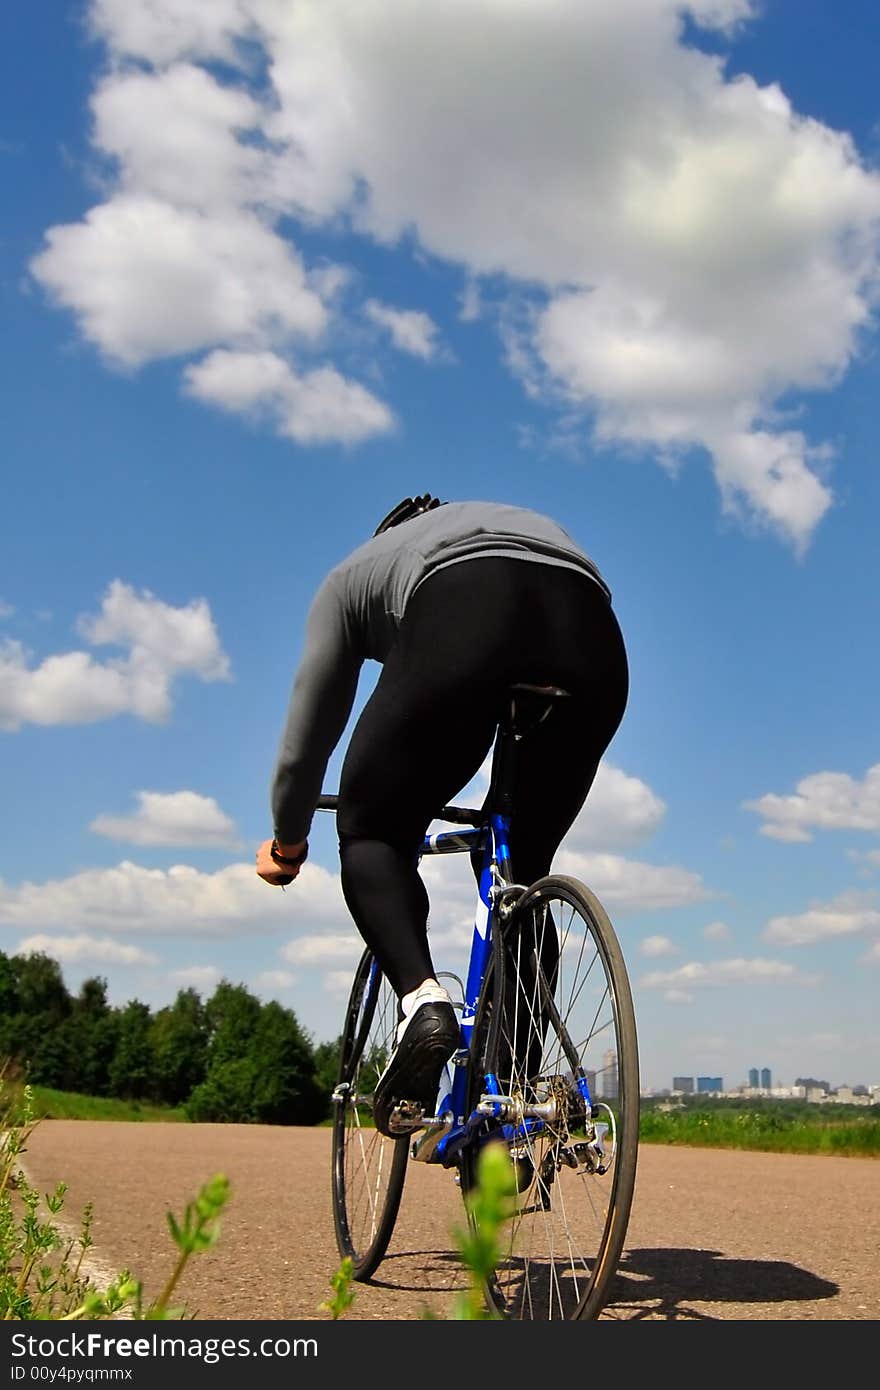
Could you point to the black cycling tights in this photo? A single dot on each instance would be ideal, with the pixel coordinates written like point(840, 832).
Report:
point(469, 632)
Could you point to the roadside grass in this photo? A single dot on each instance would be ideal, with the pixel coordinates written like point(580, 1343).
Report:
point(768, 1126)
point(49, 1104)
point(768, 1129)
point(44, 1267)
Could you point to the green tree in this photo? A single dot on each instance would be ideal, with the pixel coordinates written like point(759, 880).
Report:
point(227, 1093)
point(8, 1005)
point(179, 1042)
point(8, 986)
point(131, 1066)
point(41, 987)
point(260, 1064)
point(34, 1034)
point(231, 1015)
point(92, 1040)
point(226, 1096)
point(327, 1058)
point(285, 1089)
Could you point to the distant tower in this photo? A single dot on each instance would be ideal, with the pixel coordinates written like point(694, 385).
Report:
point(765, 1078)
point(753, 1078)
point(609, 1075)
point(684, 1084)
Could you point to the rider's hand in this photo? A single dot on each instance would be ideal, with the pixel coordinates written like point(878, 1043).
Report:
point(268, 867)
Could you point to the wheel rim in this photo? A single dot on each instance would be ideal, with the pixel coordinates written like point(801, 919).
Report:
point(559, 1250)
point(368, 1168)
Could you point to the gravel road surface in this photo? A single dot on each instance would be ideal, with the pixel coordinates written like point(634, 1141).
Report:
point(714, 1234)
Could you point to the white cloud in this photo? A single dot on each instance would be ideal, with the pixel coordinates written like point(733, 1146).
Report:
point(852, 914)
point(163, 643)
point(332, 955)
point(470, 304)
point(338, 982)
point(726, 15)
point(324, 949)
point(620, 811)
point(171, 818)
point(311, 408)
point(657, 946)
point(84, 950)
point(176, 136)
point(146, 280)
point(716, 931)
point(6, 609)
point(160, 30)
point(715, 248)
point(822, 801)
point(198, 977)
point(270, 981)
point(411, 330)
point(628, 885)
point(129, 899)
point(183, 257)
point(699, 975)
point(692, 248)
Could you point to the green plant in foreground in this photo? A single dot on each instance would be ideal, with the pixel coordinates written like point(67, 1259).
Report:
point(343, 1293)
point(200, 1229)
point(41, 1268)
point(490, 1204)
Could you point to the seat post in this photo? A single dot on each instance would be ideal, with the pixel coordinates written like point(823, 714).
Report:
point(522, 699)
point(503, 762)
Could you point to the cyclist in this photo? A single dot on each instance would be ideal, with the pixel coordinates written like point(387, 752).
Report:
point(457, 601)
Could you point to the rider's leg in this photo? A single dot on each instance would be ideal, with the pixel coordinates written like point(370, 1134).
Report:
point(423, 733)
point(421, 736)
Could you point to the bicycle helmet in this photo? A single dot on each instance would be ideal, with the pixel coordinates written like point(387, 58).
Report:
point(406, 510)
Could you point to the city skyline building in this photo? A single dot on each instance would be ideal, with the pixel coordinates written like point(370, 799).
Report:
point(609, 1075)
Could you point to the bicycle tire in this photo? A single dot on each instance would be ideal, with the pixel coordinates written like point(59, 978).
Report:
point(558, 1253)
point(368, 1169)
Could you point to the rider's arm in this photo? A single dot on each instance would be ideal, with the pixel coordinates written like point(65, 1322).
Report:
point(321, 700)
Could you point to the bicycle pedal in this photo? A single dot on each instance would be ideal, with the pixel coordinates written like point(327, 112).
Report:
point(424, 1149)
point(405, 1117)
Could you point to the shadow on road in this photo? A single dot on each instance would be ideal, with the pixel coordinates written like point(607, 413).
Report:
point(662, 1283)
point(659, 1283)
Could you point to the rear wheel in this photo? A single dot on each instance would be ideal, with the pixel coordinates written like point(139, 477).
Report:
point(368, 1169)
point(555, 1048)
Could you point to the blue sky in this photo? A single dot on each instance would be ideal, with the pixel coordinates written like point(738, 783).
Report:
point(266, 268)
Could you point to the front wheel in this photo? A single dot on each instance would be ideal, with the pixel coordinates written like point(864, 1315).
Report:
point(368, 1169)
point(554, 1066)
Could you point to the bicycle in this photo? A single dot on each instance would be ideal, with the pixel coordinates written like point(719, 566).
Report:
point(546, 992)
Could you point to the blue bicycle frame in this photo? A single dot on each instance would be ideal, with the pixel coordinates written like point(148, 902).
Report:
point(453, 1128)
